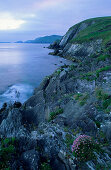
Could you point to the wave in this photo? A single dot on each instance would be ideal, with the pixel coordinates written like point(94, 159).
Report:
point(18, 92)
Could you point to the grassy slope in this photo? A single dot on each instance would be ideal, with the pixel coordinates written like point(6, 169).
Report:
point(101, 29)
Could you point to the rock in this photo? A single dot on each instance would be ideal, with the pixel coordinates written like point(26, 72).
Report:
point(30, 160)
point(12, 125)
point(17, 105)
point(106, 128)
point(79, 51)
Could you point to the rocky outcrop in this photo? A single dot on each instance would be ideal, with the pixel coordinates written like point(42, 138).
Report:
point(84, 39)
point(73, 101)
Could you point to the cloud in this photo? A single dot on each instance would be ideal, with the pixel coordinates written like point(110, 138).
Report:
point(45, 4)
point(8, 22)
point(33, 18)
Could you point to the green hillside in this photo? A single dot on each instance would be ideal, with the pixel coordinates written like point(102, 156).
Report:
point(100, 29)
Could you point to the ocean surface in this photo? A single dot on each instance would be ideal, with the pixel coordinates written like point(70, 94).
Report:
point(22, 68)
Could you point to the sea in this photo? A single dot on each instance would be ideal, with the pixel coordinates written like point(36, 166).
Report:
point(23, 67)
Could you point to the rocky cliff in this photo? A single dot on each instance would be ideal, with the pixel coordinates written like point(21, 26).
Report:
point(75, 100)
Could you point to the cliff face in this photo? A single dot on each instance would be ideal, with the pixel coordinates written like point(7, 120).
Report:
point(86, 38)
point(73, 101)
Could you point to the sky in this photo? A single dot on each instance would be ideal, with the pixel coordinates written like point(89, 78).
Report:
point(29, 19)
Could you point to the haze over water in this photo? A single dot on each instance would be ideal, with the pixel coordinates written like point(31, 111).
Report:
point(22, 68)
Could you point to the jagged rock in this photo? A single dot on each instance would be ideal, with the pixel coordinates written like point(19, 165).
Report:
point(30, 160)
point(106, 128)
point(12, 126)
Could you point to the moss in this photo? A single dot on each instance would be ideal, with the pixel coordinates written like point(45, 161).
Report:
point(107, 111)
point(91, 76)
point(58, 72)
point(75, 132)
point(72, 67)
point(82, 98)
point(105, 99)
point(78, 96)
point(88, 76)
point(55, 113)
point(100, 94)
point(106, 68)
point(103, 57)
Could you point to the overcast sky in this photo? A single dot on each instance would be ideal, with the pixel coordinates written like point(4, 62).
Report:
point(28, 19)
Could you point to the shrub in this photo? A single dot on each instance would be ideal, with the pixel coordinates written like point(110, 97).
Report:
point(83, 148)
point(7, 149)
point(45, 166)
point(82, 98)
point(54, 114)
point(103, 57)
point(90, 76)
point(72, 67)
point(104, 98)
point(98, 124)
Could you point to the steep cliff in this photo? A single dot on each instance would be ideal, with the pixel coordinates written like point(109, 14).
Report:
point(90, 37)
point(75, 100)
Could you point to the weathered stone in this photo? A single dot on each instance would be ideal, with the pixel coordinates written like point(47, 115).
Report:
point(30, 160)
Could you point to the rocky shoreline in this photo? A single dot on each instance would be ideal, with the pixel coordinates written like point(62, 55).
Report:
point(75, 100)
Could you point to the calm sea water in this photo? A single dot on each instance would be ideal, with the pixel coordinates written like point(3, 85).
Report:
point(22, 68)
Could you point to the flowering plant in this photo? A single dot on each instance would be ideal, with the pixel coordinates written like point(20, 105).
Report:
point(83, 148)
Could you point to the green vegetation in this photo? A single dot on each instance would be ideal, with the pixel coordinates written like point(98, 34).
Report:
point(82, 98)
point(105, 100)
point(59, 71)
point(45, 166)
point(99, 28)
point(103, 167)
point(102, 138)
point(83, 148)
point(55, 113)
point(69, 140)
point(98, 124)
point(103, 57)
point(72, 67)
point(7, 149)
point(106, 68)
point(90, 76)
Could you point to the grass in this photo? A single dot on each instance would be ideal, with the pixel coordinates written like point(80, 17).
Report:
point(72, 67)
point(59, 71)
point(55, 113)
point(100, 29)
point(103, 57)
point(105, 100)
point(82, 98)
point(69, 140)
point(106, 68)
point(90, 76)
